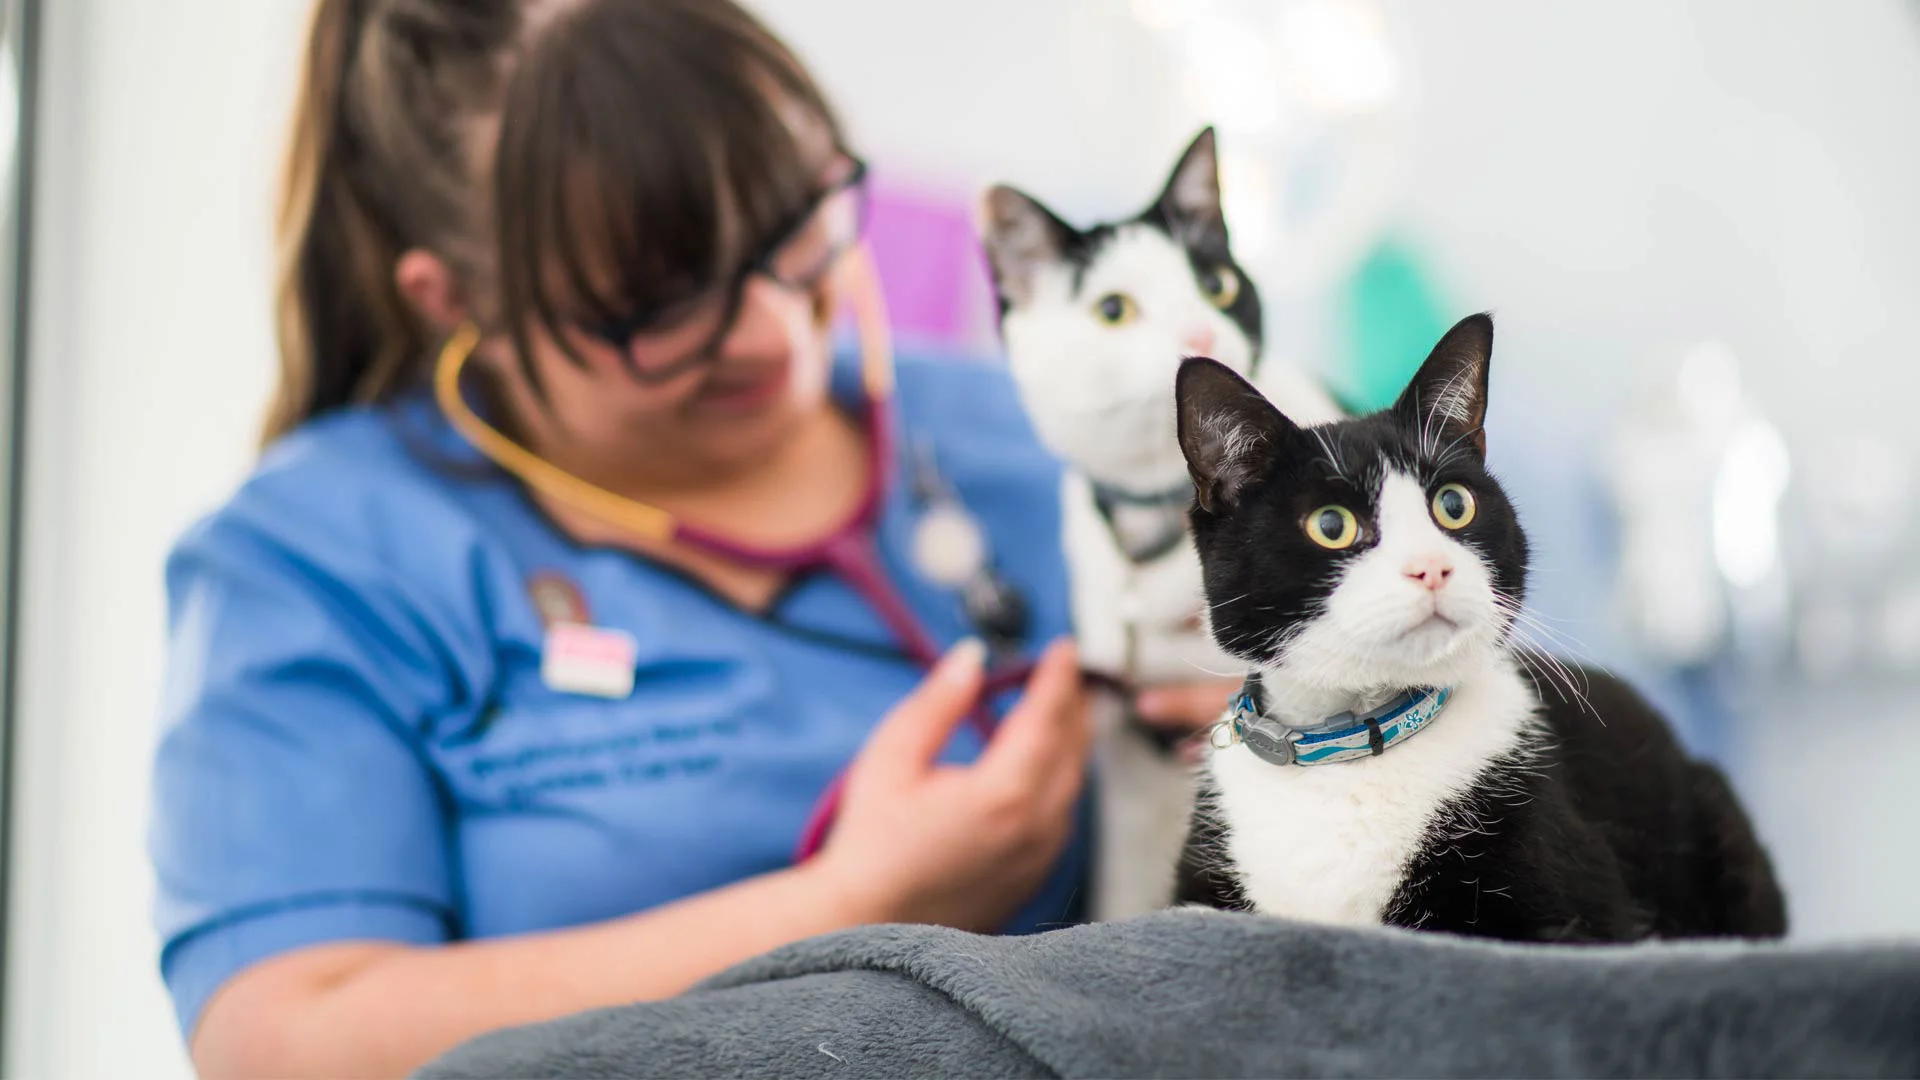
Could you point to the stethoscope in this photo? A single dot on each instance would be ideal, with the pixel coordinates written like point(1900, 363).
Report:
point(948, 546)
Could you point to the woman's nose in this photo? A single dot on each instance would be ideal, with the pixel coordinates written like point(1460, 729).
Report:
point(761, 324)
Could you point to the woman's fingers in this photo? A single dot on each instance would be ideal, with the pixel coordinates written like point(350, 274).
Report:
point(1186, 706)
point(1048, 729)
point(909, 738)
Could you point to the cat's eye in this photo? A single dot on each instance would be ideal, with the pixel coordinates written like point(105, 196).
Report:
point(1117, 309)
point(1453, 506)
point(1222, 286)
point(1333, 527)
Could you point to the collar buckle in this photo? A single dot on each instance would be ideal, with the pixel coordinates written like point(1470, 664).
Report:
point(1271, 742)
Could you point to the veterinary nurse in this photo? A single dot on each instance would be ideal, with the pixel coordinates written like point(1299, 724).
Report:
point(518, 678)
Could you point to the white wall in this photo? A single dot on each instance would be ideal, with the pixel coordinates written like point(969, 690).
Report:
point(149, 359)
point(1066, 96)
point(1624, 176)
point(1609, 175)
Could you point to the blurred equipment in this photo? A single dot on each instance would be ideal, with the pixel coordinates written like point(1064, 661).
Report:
point(1698, 474)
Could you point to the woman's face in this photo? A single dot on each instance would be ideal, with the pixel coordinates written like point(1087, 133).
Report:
point(720, 396)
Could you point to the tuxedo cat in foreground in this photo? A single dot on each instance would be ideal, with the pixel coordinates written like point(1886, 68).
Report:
point(1396, 757)
point(1095, 322)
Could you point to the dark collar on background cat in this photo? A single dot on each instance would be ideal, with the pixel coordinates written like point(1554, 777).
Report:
point(1338, 738)
point(1171, 504)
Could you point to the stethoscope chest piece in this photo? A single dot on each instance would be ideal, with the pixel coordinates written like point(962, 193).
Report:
point(949, 548)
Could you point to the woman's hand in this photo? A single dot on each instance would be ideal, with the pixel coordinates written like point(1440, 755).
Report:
point(963, 846)
point(1189, 708)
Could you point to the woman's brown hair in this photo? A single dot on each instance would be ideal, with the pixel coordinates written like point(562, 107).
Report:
point(568, 158)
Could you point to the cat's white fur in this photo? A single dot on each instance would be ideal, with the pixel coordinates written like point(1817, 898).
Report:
point(1332, 843)
point(1101, 397)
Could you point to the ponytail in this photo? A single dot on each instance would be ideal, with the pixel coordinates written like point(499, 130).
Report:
point(370, 150)
point(343, 327)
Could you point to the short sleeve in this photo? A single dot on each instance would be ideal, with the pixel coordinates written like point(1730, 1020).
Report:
point(293, 804)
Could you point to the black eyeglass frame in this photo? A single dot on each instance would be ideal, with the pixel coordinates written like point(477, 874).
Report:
point(620, 333)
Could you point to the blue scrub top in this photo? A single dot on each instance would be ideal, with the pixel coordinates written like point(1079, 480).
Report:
point(358, 743)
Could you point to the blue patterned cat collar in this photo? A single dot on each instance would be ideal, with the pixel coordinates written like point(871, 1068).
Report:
point(1340, 738)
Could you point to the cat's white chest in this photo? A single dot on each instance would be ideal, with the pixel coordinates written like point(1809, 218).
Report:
point(1332, 843)
point(1140, 621)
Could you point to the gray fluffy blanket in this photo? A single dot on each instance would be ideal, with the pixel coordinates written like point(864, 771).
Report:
point(1200, 993)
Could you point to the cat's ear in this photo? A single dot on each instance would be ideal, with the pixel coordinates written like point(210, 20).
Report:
point(1229, 432)
point(1020, 237)
point(1448, 395)
point(1191, 200)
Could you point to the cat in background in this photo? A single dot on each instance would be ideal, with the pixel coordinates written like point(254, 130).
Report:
point(1396, 756)
point(1095, 323)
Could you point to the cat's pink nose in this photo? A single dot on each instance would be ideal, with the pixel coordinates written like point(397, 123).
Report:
point(1431, 571)
point(1199, 342)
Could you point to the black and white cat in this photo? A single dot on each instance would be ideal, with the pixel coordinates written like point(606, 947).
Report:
point(1398, 758)
point(1095, 322)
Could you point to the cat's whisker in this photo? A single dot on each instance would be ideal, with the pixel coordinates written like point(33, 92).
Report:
point(1554, 678)
point(1536, 622)
point(1541, 645)
point(1218, 604)
point(1451, 447)
point(1204, 670)
point(1540, 623)
point(1527, 662)
point(1577, 652)
point(1564, 681)
point(1327, 455)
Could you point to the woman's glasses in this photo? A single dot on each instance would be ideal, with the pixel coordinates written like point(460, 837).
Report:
point(798, 257)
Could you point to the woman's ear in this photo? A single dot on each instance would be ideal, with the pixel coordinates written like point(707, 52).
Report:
point(429, 287)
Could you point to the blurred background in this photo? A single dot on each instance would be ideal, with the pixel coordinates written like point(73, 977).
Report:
point(1696, 224)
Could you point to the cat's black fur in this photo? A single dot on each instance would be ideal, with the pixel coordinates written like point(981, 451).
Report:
point(1612, 835)
point(1608, 830)
point(1199, 230)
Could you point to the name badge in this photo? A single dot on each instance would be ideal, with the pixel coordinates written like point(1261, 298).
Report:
point(588, 660)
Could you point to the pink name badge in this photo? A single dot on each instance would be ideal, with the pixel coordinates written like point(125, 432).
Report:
point(588, 660)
